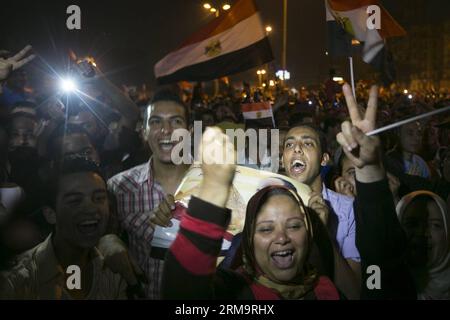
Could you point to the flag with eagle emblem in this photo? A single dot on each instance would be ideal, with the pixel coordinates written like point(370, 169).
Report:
point(234, 42)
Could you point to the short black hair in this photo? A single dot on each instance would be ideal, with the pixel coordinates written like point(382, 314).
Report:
point(339, 156)
point(66, 167)
point(167, 94)
point(62, 130)
point(14, 114)
point(199, 113)
point(322, 138)
point(329, 122)
point(296, 120)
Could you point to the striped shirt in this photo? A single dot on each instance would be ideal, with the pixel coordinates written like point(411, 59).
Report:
point(138, 194)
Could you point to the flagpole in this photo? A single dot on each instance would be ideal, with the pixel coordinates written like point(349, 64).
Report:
point(352, 78)
point(283, 53)
point(403, 122)
point(273, 118)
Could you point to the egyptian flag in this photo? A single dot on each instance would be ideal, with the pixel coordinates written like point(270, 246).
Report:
point(258, 114)
point(234, 42)
point(347, 20)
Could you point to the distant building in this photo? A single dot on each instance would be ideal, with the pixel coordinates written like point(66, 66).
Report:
point(422, 57)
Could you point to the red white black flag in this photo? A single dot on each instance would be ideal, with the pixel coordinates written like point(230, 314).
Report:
point(232, 43)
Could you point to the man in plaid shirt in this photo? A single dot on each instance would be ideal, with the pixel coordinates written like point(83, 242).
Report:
point(144, 193)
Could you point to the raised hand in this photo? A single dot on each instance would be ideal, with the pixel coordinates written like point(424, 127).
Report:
point(15, 62)
point(218, 157)
point(218, 160)
point(366, 123)
point(360, 149)
point(343, 186)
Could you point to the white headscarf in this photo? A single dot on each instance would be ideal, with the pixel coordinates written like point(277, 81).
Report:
point(438, 280)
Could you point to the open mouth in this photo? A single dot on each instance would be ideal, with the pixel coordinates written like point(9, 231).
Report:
point(88, 226)
point(283, 259)
point(166, 145)
point(298, 166)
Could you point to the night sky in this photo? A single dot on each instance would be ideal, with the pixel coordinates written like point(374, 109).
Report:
point(129, 37)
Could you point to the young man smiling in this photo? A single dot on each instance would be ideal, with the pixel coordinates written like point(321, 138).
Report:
point(79, 210)
point(304, 154)
point(145, 193)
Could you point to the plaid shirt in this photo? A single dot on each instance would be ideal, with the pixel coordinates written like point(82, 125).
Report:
point(137, 194)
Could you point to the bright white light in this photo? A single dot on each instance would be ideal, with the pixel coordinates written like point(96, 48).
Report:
point(410, 96)
point(207, 6)
point(268, 29)
point(226, 7)
point(68, 85)
point(405, 91)
point(271, 83)
point(337, 79)
point(283, 74)
point(309, 102)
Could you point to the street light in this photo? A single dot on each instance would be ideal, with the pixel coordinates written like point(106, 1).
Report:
point(216, 11)
point(260, 73)
point(283, 75)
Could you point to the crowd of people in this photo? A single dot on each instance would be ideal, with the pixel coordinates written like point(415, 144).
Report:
point(87, 176)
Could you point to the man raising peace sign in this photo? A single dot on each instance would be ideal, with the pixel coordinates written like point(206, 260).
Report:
point(379, 237)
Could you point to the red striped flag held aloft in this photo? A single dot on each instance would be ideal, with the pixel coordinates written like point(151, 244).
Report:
point(234, 42)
